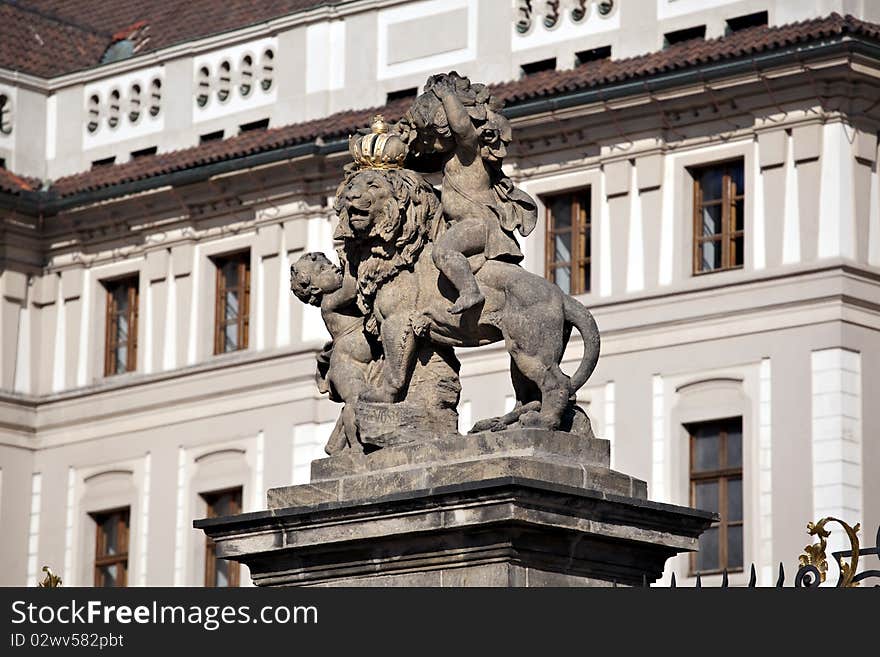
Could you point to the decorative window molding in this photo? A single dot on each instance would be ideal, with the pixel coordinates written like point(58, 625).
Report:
point(267, 69)
point(113, 108)
point(552, 12)
point(155, 97)
point(120, 108)
point(5, 114)
point(224, 81)
point(204, 86)
point(246, 76)
point(134, 103)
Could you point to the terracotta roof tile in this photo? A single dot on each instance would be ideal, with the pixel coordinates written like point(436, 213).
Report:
point(12, 184)
point(53, 37)
point(543, 84)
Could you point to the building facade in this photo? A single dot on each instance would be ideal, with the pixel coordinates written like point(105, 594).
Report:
point(706, 174)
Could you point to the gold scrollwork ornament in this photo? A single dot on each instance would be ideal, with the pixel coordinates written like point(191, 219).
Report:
point(814, 555)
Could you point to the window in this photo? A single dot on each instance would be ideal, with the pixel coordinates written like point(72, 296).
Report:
point(144, 152)
point(220, 572)
point(120, 345)
point(233, 302)
point(410, 92)
point(687, 34)
point(718, 217)
point(716, 477)
point(745, 22)
point(568, 241)
point(262, 124)
point(104, 162)
point(536, 67)
point(111, 547)
point(592, 55)
point(211, 136)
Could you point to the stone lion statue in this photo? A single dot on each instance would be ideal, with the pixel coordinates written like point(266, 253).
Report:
point(388, 221)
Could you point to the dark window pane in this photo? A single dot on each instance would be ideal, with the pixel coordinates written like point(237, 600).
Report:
point(735, 547)
point(562, 277)
point(736, 174)
point(230, 273)
point(707, 445)
point(711, 182)
point(560, 210)
point(109, 528)
point(109, 575)
point(734, 500)
point(711, 224)
point(734, 444)
point(708, 557)
point(706, 495)
point(562, 247)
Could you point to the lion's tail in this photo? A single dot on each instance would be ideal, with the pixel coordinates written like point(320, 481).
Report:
point(582, 319)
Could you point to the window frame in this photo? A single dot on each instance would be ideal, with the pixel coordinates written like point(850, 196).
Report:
point(111, 322)
point(243, 317)
point(580, 227)
point(723, 474)
point(209, 498)
point(729, 198)
point(102, 559)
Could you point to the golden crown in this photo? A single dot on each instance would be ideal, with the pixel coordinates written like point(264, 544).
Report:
point(380, 149)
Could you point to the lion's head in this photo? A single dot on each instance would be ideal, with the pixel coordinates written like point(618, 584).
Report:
point(386, 216)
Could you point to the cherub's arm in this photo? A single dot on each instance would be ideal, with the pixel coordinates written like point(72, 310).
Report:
point(459, 120)
point(344, 296)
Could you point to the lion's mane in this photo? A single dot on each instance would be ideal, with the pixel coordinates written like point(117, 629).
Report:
point(412, 217)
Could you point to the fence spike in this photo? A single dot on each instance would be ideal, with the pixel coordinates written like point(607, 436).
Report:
point(781, 579)
point(753, 577)
point(724, 579)
point(699, 582)
point(672, 583)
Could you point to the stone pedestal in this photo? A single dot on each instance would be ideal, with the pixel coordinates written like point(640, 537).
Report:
point(523, 507)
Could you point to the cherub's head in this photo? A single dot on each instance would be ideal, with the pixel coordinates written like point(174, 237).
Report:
point(427, 126)
point(313, 276)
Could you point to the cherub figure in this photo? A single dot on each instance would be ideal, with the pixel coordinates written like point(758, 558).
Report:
point(462, 123)
point(347, 363)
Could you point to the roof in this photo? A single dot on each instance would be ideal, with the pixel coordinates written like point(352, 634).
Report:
point(12, 184)
point(546, 84)
point(48, 38)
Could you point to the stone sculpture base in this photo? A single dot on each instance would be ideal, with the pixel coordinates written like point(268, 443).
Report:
point(523, 507)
